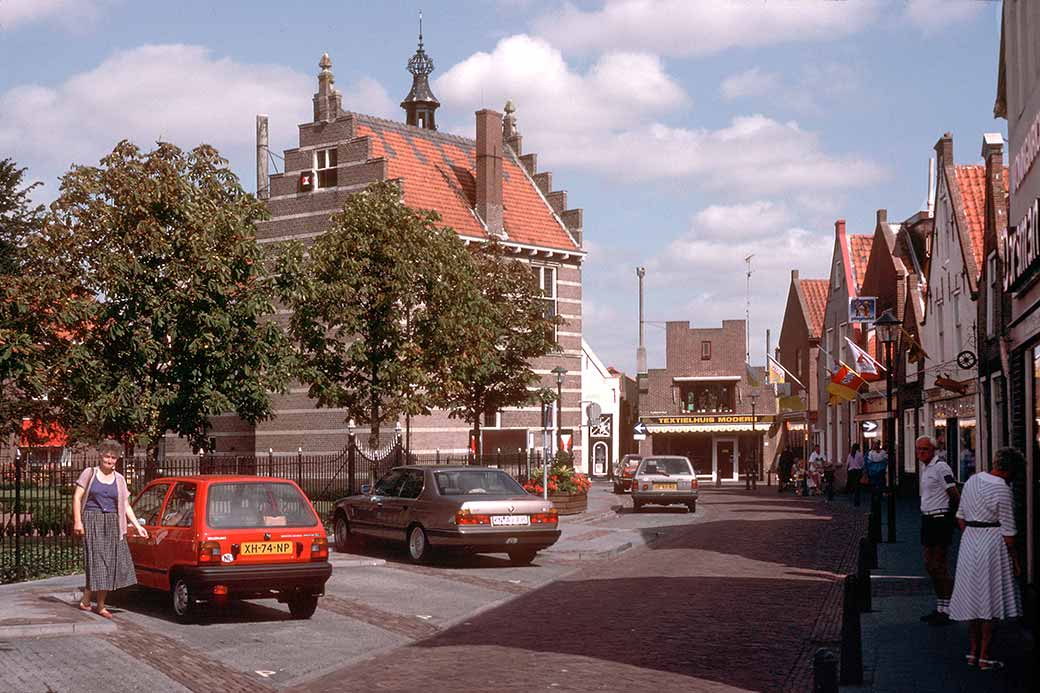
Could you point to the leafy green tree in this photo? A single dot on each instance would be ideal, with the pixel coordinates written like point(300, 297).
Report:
point(30, 309)
point(507, 329)
point(178, 296)
point(377, 305)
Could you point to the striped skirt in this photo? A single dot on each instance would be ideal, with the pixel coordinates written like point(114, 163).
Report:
point(985, 586)
point(105, 554)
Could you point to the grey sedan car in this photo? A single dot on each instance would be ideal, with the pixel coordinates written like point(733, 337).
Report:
point(665, 480)
point(477, 509)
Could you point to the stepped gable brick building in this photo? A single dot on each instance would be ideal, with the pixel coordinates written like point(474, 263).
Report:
point(797, 351)
point(705, 405)
point(835, 426)
point(482, 187)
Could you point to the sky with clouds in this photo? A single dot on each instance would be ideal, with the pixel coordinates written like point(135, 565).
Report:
point(693, 132)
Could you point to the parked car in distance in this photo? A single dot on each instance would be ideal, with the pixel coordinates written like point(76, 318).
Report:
point(625, 471)
point(215, 538)
point(665, 480)
point(476, 509)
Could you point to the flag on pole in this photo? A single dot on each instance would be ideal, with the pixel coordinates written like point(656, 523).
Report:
point(865, 363)
point(845, 384)
point(773, 365)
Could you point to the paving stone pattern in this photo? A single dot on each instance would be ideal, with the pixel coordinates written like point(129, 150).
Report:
point(737, 602)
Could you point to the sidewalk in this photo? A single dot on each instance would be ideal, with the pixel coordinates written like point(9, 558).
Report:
point(902, 654)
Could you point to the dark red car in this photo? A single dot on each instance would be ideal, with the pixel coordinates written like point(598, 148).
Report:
point(625, 472)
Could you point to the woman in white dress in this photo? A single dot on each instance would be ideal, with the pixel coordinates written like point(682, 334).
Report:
point(987, 565)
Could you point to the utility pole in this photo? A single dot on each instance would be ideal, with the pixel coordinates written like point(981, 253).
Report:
point(747, 313)
point(641, 350)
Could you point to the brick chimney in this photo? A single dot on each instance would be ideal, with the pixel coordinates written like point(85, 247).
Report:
point(489, 170)
point(839, 227)
point(944, 149)
point(882, 216)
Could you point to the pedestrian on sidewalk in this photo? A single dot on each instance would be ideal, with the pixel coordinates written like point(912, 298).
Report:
point(100, 510)
point(812, 472)
point(876, 468)
point(986, 589)
point(786, 465)
point(854, 464)
point(829, 470)
point(938, 491)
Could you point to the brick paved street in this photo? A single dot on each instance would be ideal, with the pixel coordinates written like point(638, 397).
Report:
point(735, 597)
point(738, 601)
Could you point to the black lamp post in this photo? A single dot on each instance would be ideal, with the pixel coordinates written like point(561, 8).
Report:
point(887, 326)
point(750, 480)
point(559, 371)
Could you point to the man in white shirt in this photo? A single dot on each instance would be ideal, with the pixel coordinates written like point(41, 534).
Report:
point(938, 490)
point(813, 468)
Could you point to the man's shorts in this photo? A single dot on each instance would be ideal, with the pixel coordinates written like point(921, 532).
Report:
point(937, 530)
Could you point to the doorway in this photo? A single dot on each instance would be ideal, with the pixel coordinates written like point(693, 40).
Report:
point(726, 459)
point(600, 458)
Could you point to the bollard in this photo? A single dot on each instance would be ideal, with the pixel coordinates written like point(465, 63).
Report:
point(825, 671)
point(863, 565)
point(874, 525)
point(851, 636)
point(872, 545)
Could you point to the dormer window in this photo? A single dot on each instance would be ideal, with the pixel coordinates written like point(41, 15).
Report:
point(325, 165)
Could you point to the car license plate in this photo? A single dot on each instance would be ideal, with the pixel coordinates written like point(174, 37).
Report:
point(665, 487)
point(510, 520)
point(266, 548)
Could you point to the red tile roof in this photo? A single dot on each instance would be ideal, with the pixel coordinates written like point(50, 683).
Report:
point(439, 173)
point(859, 254)
point(814, 291)
point(971, 181)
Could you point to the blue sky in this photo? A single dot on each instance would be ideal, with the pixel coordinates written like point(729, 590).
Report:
point(692, 133)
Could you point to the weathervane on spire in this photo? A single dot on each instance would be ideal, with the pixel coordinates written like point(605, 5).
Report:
point(420, 103)
point(420, 63)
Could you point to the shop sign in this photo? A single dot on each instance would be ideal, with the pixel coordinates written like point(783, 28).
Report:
point(704, 420)
point(1026, 154)
point(1021, 246)
point(863, 309)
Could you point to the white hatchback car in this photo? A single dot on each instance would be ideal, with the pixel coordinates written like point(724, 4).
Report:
point(665, 480)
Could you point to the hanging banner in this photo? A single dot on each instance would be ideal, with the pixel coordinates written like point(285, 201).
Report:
point(862, 309)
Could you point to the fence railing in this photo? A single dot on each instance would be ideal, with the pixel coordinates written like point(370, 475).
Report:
point(36, 537)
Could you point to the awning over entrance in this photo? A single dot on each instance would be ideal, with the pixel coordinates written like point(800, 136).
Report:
point(720, 423)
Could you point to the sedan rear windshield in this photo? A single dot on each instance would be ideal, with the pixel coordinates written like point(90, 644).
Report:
point(465, 482)
point(252, 504)
point(657, 465)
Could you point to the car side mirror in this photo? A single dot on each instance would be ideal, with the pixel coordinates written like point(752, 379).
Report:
point(365, 488)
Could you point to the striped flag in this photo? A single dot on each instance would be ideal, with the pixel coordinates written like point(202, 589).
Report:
point(845, 384)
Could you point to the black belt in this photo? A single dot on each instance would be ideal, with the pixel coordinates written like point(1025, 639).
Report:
point(936, 513)
point(973, 523)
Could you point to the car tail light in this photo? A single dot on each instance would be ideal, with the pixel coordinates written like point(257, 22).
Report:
point(466, 517)
point(220, 590)
point(209, 552)
point(549, 518)
point(319, 549)
point(693, 483)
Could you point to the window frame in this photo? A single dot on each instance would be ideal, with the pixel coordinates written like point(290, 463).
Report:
point(326, 175)
point(166, 485)
point(705, 352)
point(169, 499)
point(551, 300)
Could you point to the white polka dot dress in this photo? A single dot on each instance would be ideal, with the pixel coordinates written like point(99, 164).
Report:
point(985, 585)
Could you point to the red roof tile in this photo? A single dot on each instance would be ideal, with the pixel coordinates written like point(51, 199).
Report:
point(859, 254)
point(814, 291)
point(439, 173)
point(971, 181)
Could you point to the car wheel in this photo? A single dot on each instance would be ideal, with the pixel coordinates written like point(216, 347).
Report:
point(346, 541)
point(692, 505)
point(302, 606)
point(419, 549)
point(522, 556)
point(183, 600)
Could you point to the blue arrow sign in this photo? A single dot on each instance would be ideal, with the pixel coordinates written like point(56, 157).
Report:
point(640, 429)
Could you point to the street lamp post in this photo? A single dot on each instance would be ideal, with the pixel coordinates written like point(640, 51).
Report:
point(887, 326)
point(751, 478)
point(560, 371)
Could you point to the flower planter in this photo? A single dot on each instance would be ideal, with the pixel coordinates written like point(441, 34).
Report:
point(570, 503)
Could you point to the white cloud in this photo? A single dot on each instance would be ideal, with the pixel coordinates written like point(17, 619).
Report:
point(605, 120)
point(71, 13)
point(617, 90)
point(931, 16)
point(753, 82)
point(750, 220)
point(179, 93)
point(685, 28)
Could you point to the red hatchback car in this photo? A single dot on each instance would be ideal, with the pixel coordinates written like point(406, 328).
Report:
point(215, 538)
point(625, 472)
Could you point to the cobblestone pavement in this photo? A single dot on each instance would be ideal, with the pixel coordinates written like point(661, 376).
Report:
point(738, 601)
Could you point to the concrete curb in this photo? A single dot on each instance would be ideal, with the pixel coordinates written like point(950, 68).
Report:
point(588, 555)
point(30, 630)
point(353, 561)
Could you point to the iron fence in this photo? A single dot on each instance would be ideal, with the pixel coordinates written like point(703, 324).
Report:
point(36, 538)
